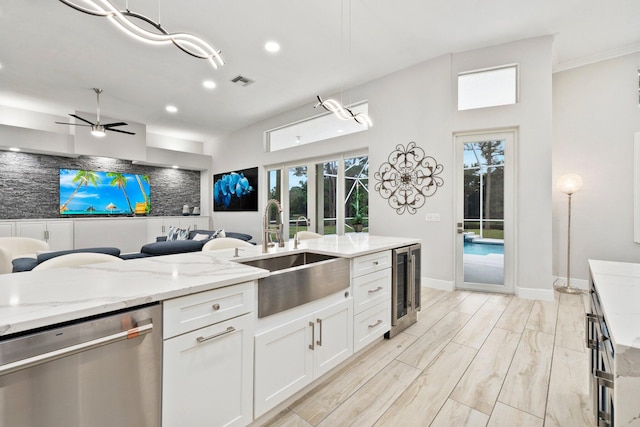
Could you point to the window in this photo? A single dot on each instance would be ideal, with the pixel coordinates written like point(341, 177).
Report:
point(298, 196)
point(488, 88)
point(356, 181)
point(327, 197)
point(314, 129)
point(274, 182)
point(331, 193)
point(484, 188)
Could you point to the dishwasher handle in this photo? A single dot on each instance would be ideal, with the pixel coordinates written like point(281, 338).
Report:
point(74, 349)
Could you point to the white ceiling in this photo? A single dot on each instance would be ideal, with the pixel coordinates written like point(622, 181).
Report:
point(51, 55)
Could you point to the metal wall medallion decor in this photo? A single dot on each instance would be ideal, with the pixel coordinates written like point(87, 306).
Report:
point(408, 178)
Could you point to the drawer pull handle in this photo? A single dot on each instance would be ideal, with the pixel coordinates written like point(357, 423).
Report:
point(373, 291)
point(604, 378)
point(319, 342)
point(375, 262)
point(225, 332)
point(313, 335)
point(216, 307)
point(375, 324)
point(588, 319)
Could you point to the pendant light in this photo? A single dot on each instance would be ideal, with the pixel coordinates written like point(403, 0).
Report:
point(188, 43)
point(333, 106)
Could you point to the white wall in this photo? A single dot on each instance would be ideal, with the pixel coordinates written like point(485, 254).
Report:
point(532, 118)
point(417, 104)
point(595, 117)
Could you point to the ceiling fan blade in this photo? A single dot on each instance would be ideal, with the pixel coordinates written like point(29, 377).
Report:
point(115, 124)
point(121, 131)
point(72, 124)
point(80, 118)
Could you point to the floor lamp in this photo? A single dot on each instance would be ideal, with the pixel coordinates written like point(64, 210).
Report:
point(569, 184)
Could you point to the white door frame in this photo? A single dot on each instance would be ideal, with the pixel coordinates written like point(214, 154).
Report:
point(510, 138)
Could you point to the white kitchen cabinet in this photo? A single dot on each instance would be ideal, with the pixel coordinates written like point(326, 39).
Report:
point(371, 324)
point(371, 278)
point(371, 289)
point(370, 263)
point(58, 234)
point(156, 227)
point(334, 332)
point(206, 308)
point(7, 229)
point(208, 374)
point(208, 371)
point(292, 355)
point(194, 222)
point(126, 234)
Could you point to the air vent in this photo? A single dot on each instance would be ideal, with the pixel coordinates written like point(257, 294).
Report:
point(241, 81)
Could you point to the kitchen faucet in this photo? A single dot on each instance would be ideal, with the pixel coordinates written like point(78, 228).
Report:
point(296, 238)
point(268, 229)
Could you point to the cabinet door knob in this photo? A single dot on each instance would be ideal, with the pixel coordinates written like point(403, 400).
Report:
point(216, 306)
point(375, 262)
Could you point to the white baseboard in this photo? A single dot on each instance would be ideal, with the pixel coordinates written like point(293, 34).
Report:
point(528, 293)
point(443, 285)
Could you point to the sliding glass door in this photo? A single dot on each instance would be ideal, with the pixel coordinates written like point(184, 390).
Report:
point(332, 193)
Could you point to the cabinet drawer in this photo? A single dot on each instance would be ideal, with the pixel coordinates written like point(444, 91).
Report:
point(206, 308)
point(372, 289)
point(371, 324)
point(370, 263)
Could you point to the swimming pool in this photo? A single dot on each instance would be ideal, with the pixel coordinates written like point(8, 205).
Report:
point(482, 248)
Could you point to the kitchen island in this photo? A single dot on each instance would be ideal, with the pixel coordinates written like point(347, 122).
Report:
point(187, 284)
point(613, 336)
point(41, 298)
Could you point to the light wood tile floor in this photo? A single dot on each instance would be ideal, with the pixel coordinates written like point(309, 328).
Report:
point(472, 359)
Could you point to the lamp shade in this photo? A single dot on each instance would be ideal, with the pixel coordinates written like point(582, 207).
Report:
point(570, 183)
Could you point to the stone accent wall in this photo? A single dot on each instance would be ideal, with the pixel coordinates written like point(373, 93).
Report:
point(29, 184)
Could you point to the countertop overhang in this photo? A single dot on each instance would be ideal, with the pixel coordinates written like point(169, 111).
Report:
point(41, 298)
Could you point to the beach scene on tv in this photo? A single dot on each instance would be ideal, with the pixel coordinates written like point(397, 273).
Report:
point(86, 192)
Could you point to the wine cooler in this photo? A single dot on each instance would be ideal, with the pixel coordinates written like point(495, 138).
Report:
point(405, 291)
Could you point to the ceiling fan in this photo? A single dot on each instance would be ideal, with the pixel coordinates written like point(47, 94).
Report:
point(98, 129)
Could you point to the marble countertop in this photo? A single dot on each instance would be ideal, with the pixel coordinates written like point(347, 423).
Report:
point(618, 286)
point(41, 298)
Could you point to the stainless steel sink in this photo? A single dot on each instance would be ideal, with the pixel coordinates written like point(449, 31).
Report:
point(297, 279)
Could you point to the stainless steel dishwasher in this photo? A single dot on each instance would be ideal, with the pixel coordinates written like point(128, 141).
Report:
point(100, 371)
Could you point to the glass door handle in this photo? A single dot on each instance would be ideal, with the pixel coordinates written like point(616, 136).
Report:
point(460, 230)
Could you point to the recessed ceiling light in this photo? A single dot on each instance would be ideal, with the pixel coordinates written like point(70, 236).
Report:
point(209, 84)
point(340, 131)
point(272, 46)
point(171, 108)
point(175, 166)
point(14, 149)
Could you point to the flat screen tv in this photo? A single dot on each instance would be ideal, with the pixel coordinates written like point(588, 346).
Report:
point(91, 193)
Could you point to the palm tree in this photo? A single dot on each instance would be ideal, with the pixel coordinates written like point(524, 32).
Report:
point(120, 181)
point(83, 178)
point(144, 178)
